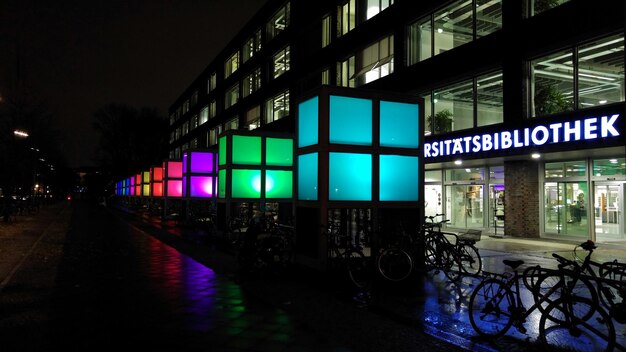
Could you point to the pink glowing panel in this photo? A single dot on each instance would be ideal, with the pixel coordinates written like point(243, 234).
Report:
point(202, 162)
point(174, 169)
point(201, 186)
point(157, 189)
point(174, 188)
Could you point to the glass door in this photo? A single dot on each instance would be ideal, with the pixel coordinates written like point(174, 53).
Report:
point(608, 210)
point(496, 207)
point(566, 208)
point(464, 206)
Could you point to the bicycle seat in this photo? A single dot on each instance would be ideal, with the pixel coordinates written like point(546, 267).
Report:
point(513, 264)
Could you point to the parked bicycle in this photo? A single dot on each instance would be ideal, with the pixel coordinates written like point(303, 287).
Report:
point(395, 261)
point(345, 253)
point(260, 250)
point(496, 304)
point(456, 257)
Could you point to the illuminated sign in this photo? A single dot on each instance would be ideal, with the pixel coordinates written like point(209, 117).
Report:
point(559, 132)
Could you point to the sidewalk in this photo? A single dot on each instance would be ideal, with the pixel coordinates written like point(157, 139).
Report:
point(428, 304)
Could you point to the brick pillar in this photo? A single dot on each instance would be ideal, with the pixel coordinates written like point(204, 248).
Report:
point(521, 199)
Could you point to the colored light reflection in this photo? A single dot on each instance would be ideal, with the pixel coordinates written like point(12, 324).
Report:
point(201, 186)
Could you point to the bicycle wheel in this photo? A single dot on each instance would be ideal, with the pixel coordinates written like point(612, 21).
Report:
point(470, 261)
point(612, 289)
point(358, 271)
point(490, 307)
point(394, 264)
point(451, 263)
point(531, 276)
point(569, 332)
point(550, 287)
point(430, 253)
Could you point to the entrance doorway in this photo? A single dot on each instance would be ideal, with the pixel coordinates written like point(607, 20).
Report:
point(566, 208)
point(608, 206)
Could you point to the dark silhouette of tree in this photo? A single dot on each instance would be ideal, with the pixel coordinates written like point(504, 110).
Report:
point(131, 139)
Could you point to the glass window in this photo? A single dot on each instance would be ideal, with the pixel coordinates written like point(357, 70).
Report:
point(346, 17)
point(325, 77)
point(279, 22)
point(420, 41)
point(212, 82)
point(194, 98)
point(464, 205)
point(454, 108)
point(232, 96)
point(204, 115)
point(566, 169)
point(609, 167)
point(488, 17)
point(601, 72)
point(251, 46)
point(432, 176)
point(374, 62)
point(280, 62)
point(185, 106)
point(252, 82)
point(213, 134)
point(194, 121)
point(231, 65)
point(428, 120)
point(212, 109)
point(552, 84)
point(277, 107)
point(326, 31)
point(496, 173)
point(489, 101)
point(374, 7)
point(539, 6)
point(345, 73)
point(253, 118)
point(232, 124)
point(453, 26)
point(467, 174)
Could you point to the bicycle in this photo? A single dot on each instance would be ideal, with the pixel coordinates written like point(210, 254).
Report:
point(496, 304)
point(395, 262)
point(443, 254)
point(349, 256)
point(609, 288)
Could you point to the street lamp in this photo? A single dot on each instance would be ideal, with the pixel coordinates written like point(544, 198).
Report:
point(20, 133)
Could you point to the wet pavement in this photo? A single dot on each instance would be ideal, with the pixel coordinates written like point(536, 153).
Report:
point(84, 277)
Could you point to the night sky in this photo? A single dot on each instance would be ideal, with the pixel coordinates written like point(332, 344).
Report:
point(80, 55)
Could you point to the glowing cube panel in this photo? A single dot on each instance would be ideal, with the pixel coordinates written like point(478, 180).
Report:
point(156, 181)
point(308, 112)
point(173, 178)
point(350, 176)
point(350, 120)
point(358, 146)
point(199, 174)
point(307, 176)
point(398, 125)
point(255, 165)
point(399, 178)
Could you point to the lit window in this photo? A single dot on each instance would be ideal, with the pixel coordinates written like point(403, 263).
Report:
point(326, 31)
point(212, 82)
point(231, 65)
point(374, 62)
point(374, 7)
point(345, 73)
point(252, 82)
point(253, 118)
point(252, 46)
point(346, 17)
point(279, 22)
point(539, 6)
point(281, 62)
point(231, 97)
point(232, 124)
point(277, 107)
point(204, 115)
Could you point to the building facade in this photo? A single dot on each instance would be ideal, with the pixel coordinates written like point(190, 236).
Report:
point(524, 99)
